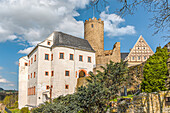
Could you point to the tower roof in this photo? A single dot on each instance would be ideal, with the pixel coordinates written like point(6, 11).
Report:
point(66, 40)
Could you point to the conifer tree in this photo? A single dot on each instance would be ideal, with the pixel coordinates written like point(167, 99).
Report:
point(155, 72)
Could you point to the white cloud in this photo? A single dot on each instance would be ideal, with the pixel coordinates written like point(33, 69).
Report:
point(26, 51)
point(1, 68)
point(111, 25)
point(10, 85)
point(34, 20)
point(2, 80)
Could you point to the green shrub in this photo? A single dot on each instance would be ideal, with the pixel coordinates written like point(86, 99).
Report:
point(25, 110)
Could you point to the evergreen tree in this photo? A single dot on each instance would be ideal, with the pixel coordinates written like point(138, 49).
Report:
point(155, 72)
point(95, 96)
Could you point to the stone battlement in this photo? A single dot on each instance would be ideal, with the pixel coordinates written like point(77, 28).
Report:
point(94, 20)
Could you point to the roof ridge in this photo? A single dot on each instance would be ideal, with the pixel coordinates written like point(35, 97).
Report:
point(69, 35)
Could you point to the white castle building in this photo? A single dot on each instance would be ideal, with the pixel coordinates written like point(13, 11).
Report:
point(52, 68)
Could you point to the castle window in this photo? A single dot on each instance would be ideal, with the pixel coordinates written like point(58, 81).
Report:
point(71, 56)
point(80, 57)
point(51, 57)
point(67, 73)
point(51, 86)
point(28, 77)
point(46, 56)
point(34, 58)
point(66, 86)
point(48, 43)
point(89, 59)
point(34, 90)
point(61, 56)
point(52, 73)
point(31, 60)
point(31, 75)
point(34, 74)
point(47, 87)
point(46, 73)
point(26, 64)
point(92, 25)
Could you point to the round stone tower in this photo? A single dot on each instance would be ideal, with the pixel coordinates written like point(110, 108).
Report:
point(94, 33)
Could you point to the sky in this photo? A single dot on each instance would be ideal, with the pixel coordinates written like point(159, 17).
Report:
point(24, 23)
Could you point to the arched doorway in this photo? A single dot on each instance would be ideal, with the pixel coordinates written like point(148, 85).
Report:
point(82, 73)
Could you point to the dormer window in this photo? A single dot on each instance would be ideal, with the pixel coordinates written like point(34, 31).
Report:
point(48, 43)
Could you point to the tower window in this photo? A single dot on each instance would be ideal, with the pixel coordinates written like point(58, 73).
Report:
point(92, 25)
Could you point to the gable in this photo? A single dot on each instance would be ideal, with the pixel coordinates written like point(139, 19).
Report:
point(140, 51)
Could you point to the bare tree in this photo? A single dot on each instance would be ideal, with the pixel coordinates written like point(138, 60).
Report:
point(159, 8)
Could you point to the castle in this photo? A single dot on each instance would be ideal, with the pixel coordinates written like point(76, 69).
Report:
point(94, 33)
point(54, 66)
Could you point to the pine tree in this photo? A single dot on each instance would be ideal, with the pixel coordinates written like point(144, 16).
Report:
point(155, 72)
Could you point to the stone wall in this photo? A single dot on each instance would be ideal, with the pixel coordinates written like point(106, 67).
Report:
point(2, 107)
point(94, 33)
point(108, 55)
point(150, 103)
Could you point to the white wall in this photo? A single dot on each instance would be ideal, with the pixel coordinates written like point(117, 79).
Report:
point(23, 79)
point(33, 81)
point(59, 66)
point(43, 65)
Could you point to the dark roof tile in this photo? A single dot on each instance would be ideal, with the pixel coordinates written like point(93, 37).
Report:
point(66, 40)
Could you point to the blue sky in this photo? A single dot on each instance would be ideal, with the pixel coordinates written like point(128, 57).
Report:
point(24, 23)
